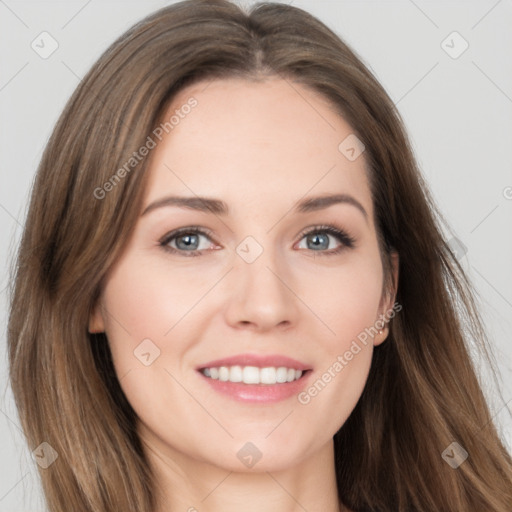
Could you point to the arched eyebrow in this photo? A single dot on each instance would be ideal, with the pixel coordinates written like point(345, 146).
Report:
point(313, 204)
point(219, 207)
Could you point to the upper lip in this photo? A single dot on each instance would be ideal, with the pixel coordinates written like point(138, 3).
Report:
point(258, 360)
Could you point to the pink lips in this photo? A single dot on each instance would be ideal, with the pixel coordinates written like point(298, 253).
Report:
point(258, 393)
point(260, 361)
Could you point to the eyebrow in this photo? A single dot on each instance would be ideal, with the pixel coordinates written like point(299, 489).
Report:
point(218, 207)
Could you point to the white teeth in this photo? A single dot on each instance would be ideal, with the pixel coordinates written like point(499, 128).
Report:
point(268, 375)
point(253, 374)
point(281, 374)
point(235, 374)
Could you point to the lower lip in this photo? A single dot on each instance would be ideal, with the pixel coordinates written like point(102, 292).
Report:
point(258, 393)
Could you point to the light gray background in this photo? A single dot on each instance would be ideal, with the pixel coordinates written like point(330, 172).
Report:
point(458, 112)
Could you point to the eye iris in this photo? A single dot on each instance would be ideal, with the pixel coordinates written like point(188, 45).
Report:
point(317, 237)
point(189, 241)
point(188, 244)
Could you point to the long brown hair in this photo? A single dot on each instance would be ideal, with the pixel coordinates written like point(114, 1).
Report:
point(422, 393)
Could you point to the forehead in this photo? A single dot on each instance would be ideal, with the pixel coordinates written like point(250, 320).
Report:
point(272, 140)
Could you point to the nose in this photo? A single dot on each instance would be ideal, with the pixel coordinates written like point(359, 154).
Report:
point(262, 295)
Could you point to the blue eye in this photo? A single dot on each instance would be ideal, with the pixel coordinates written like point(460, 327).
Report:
point(186, 241)
point(318, 237)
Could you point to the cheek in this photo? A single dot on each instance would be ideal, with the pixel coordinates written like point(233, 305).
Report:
point(346, 299)
point(146, 310)
point(137, 312)
point(147, 300)
point(153, 317)
point(348, 307)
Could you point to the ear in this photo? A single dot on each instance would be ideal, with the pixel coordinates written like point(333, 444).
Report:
point(96, 323)
point(387, 302)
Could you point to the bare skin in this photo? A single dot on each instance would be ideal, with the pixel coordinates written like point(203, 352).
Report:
point(260, 148)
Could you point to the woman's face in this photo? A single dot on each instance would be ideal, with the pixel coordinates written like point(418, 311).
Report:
point(262, 281)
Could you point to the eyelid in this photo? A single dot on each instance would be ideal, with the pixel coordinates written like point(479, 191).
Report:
point(197, 230)
point(346, 240)
point(187, 229)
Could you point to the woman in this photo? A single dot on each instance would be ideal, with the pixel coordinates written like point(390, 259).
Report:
point(175, 340)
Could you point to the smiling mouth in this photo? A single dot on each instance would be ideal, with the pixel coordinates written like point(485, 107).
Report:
point(251, 375)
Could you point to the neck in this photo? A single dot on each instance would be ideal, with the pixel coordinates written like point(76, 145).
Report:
point(191, 485)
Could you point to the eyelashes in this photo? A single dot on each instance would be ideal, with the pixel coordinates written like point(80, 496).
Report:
point(189, 234)
point(341, 235)
point(183, 233)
